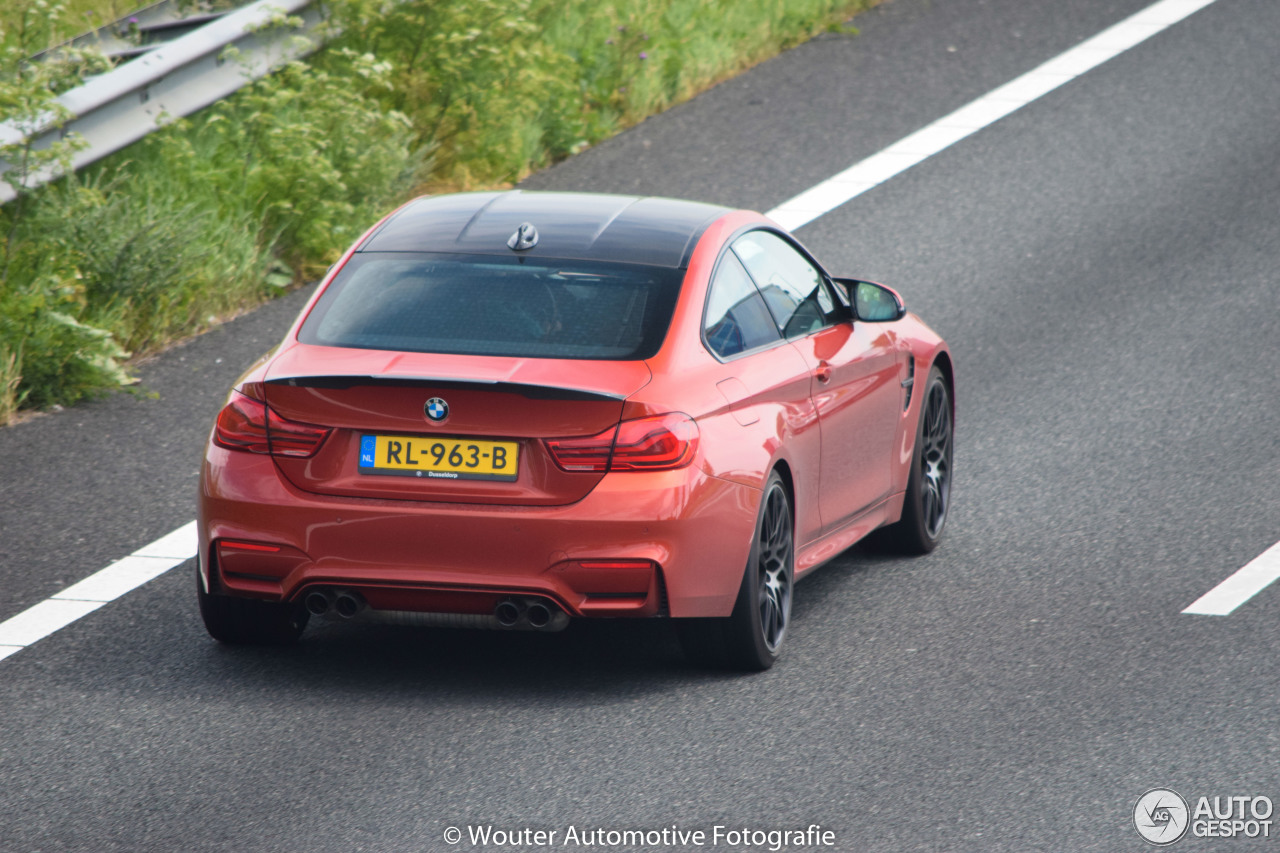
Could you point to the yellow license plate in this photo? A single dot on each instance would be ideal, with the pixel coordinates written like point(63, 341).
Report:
point(439, 458)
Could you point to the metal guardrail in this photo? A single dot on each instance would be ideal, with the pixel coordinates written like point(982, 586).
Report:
point(136, 33)
point(175, 79)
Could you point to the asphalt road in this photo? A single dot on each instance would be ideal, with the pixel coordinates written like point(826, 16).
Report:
point(1103, 263)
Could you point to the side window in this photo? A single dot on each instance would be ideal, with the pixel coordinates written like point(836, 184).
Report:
point(737, 319)
point(792, 287)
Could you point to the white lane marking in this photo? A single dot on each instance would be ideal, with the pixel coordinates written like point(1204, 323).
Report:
point(41, 620)
point(118, 578)
point(155, 559)
point(1256, 576)
point(81, 599)
point(179, 545)
point(990, 108)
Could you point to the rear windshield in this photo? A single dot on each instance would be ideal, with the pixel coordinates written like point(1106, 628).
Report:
point(495, 305)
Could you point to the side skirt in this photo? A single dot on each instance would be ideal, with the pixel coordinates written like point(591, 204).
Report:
point(813, 554)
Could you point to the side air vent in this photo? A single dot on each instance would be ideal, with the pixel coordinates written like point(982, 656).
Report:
point(909, 382)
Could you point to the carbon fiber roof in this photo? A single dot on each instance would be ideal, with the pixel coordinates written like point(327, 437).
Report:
point(627, 229)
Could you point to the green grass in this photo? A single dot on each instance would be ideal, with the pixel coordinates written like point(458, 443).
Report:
point(196, 223)
point(220, 211)
point(499, 89)
point(34, 25)
point(31, 26)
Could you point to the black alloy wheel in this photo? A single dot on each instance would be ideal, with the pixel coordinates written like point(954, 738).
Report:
point(246, 621)
point(935, 461)
point(752, 637)
point(774, 543)
point(928, 498)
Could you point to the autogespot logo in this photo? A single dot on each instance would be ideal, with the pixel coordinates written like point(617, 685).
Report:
point(1161, 816)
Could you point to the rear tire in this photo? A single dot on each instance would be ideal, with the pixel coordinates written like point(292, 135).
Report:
point(249, 622)
point(751, 637)
point(928, 498)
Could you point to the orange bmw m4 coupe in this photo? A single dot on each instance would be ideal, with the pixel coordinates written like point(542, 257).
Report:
point(513, 410)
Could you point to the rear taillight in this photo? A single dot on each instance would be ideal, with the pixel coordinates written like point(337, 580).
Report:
point(655, 444)
point(583, 454)
point(248, 424)
point(290, 438)
point(660, 443)
point(242, 425)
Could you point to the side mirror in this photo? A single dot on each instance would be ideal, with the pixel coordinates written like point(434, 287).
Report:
point(873, 303)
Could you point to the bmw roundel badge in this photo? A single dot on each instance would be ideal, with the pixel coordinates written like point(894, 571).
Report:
point(437, 409)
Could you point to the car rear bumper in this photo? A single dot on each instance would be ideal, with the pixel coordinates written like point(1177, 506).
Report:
point(640, 544)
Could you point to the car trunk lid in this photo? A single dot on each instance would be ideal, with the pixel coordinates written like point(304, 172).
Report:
point(488, 408)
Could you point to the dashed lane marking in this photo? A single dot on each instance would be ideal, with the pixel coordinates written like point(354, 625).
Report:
point(81, 599)
point(1256, 576)
point(990, 108)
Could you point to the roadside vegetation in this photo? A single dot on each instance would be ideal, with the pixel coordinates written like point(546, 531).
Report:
point(220, 211)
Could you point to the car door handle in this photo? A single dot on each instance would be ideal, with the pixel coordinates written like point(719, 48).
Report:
point(823, 373)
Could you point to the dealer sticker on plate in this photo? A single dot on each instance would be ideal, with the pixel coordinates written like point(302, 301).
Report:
point(439, 458)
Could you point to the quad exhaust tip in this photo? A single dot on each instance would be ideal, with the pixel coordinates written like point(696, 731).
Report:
point(538, 614)
point(349, 604)
point(508, 612)
point(344, 602)
point(515, 613)
point(318, 602)
point(530, 614)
